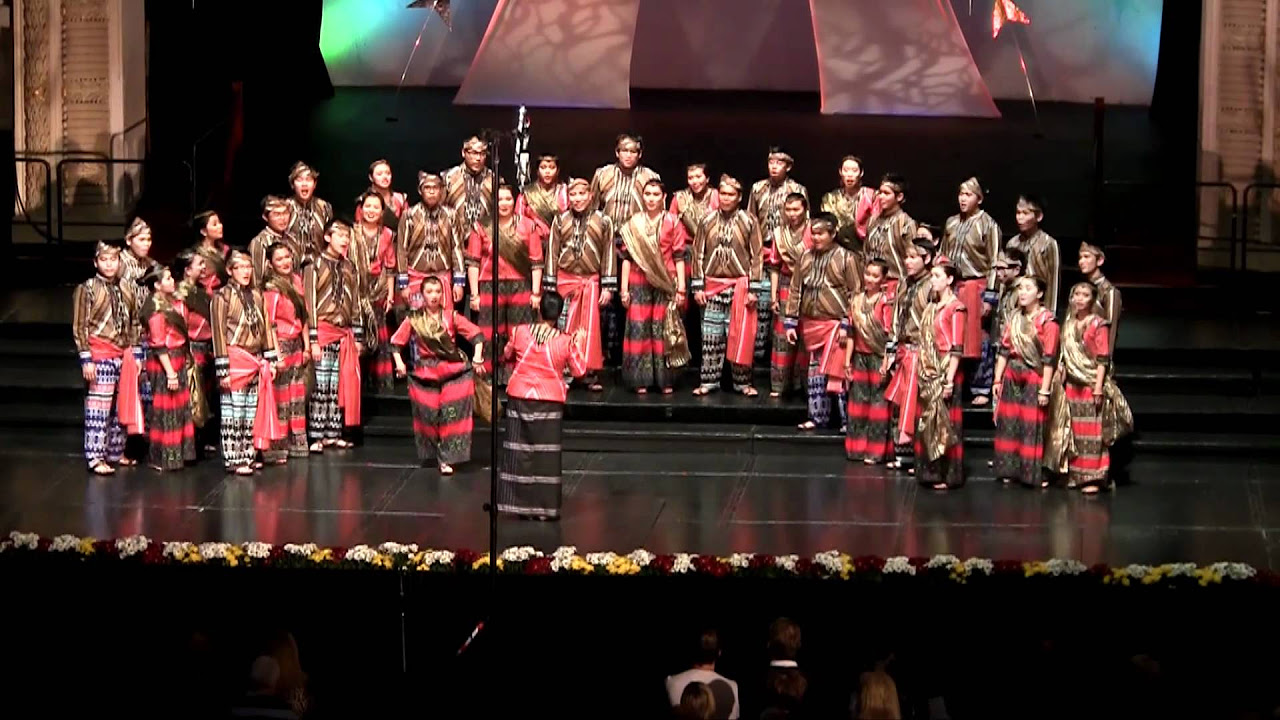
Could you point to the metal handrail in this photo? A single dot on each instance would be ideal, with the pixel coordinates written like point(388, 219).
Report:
point(1244, 228)
point(48, 200)
point(111, 140)
point(87, 161)
point(1233, 239)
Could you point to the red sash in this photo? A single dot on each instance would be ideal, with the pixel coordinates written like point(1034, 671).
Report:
point(741, 349)
point(244, 366)
point(582, 293)
point(820, 339)
point(128, 397)
point(348, 369)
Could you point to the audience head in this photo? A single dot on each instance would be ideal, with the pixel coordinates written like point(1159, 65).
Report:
point(878, 697)
point(708, 649)
point(784, 640)
point(696, 702)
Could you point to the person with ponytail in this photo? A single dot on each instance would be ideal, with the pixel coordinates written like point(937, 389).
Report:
point(171, 433)
point(287, 312)
point(442, 387)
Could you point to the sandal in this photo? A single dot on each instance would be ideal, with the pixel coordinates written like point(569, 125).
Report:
point(127, 462)
point(775, 395)
point(316, 447)
point(981, 401)
point(101, 467)
point(807, 425)
point(701, 391)
point(868, 461)
point(446, 469)
point(668, 390)
point(642, 391)
point(243, 470)
point(749, 391)
point(940, 486)
point(342, 444)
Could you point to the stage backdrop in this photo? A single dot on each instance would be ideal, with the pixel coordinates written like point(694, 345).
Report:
point(1074, 50)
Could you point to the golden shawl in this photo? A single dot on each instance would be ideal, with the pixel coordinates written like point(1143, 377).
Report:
point(542, 201)
point(199, 401)
point(431, 330)
point(1076, 366)
point(512, 249)
point(935, 430)
point(643, 244)
point(1025, 341)
point(863, 314)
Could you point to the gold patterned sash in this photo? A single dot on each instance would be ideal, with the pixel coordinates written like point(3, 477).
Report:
point(642, 242)
point(864, 321)
point(936, 433)
point(512, 249)
point(1076, 366)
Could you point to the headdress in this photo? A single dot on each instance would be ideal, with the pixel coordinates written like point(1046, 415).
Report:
point(136, 228)
point(299, 169)
point(974, 186)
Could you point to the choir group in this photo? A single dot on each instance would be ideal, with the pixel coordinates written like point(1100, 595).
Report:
point(265, 351)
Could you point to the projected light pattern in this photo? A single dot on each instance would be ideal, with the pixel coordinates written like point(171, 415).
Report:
point(349, 24)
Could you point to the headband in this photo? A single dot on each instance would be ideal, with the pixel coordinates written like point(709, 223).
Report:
point(474, 143)
point(426, 178)
point(238, 256)
point(299, 169)
point(575, 182)
point(136, 228)
point(732, 182)
point(780, 154)
point(821, 223)
point(274, 202)
point(1091, 248)
point(972, 185)
point(105, 248)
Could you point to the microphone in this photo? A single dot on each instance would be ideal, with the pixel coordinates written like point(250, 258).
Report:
point(467, 643)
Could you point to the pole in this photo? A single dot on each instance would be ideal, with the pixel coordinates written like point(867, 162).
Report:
point(493, 424)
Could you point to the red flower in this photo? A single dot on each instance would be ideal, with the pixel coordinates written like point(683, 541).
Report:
point(868, 563)
point(1007, 566)
point(663, 563)
point(918, 562)
point(465, 558)
point(1100, 570)
point(805, 567)
point(761, 562)
point(538, 566)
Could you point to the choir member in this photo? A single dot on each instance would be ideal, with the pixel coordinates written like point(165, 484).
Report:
point(373, 250)
point(468, 188)
point(903, 350)
point(890, 234)
point(244, 353)
point(1090, 260)
point(728, 263)
point(442, 385)
point(105, 327)
point(283, 294)
point(971, 240)
point(853, 204)
point(870, 319)
point(697, 200)
point(332, 292)
point(1008, 269)
point(212, 248)
point(817, 311)
point(520, 264)
point(765, 204)
point(191, 269)
point(583, 268)
point(939, 439)
point(529, 467)
point(1040, 249)
point(309, 215)
point(1087, 409)
point(169, 365)
point(545, 198)
point(789, 362)
point(393, 203)
point(278, 217)
point(428, 243)
point(1024, 371)
point(654, 246)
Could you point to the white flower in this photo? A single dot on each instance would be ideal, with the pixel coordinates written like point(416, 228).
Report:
point(641, 557)
point(1059, 566)
point(211, 550)
point(391, 548)
point(786, 562)
point(132, 545)
point(976, 565)
point(899, 564)
point(942, 561)
point(601, 558)
point(1235, 571)
point(178, 549)
point(830, 561)
point(1137, 571)
point(565, 551)
point(5, 545)
point(305, 550)
point(683, 563)
point(64, 543)
point(519, 554)
point(740, 560)
point(24, 540)
point(437, 557)
point(257, 550)
point(361, 553)
point(1182, 569)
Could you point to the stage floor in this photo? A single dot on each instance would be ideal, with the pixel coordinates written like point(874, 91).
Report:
point(1174, 510)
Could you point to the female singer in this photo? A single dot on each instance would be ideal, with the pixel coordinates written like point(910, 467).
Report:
point(393, 203)
point(282, 294)
point(190, 269)
point(442, 387)
point(169, 365)
point(529, 469)
point(654, 244)
point(939, 434)
point(1024, 371)
point(211, 247)
point(373, 250)
point(871, 317)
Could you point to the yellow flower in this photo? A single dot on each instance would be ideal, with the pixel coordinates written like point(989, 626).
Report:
point(86, 546)
point(622, 566)
point(232, 561)
point(577, 563)
point(320, 556)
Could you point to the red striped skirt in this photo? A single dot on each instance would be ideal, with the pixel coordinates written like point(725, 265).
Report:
point(788, 364)
point(1020, 426)
point(949, 468)
point(169, 428)
point(644, 347)
point(442, 418)
point(868, 427)
point(1091, 463)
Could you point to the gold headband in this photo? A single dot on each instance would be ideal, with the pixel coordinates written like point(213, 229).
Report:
point(474, 143)
point(238, 256)
point(731, 181)
point(426, 178)
point(1007, 261)
point(105, 248)
point(1091, 248)
point(822, 223)
point(136, 228)
point(339, 226)
point(575, 182)
point(274, 202)
point(972, 185)
point(783, 156)
point(299, 169)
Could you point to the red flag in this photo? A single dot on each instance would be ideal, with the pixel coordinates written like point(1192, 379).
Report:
point(1006, 11)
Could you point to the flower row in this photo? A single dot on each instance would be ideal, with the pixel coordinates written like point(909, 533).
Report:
point(567, 561)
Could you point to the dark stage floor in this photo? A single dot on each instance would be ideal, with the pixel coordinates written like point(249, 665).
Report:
point(1174, 509)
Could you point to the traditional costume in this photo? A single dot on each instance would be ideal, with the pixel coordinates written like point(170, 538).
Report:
point(691, 209)
point(171, 433)
point(939, 437)
point(818, 310)
point(308, 218)
point(244, 348)
point(655, 342)
point(468, 194)
point(854, 212)
point(1041, 251)
point(332, 292)
point(442, 385)
point(1029, 344)
point(1108, 306)
point(428, 245)
point(105, 327)
point(888, 237)
point(1081, 429)
point(215, 258)
point(375, 257)
point(200, 341)
point(619, 194)
point(287, 313)
point(132, 268)
point(765, 205)
point(972, 243)
point(258, 246)
point(529, 468)
point(1006, 307)
point(581, 264)
point(910, 303)
point(543, 205)
point(788, 364)
point(867, 436)
point(728, 265)
point(519, 253)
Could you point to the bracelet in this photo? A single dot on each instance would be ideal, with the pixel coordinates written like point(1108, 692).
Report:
point(948, 386)
point(1044, 393)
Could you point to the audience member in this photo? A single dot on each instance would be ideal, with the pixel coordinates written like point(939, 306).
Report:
point(696, 703)
point(877, 697)
point(263, 699)
point(725, 691)
point(785, 684)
